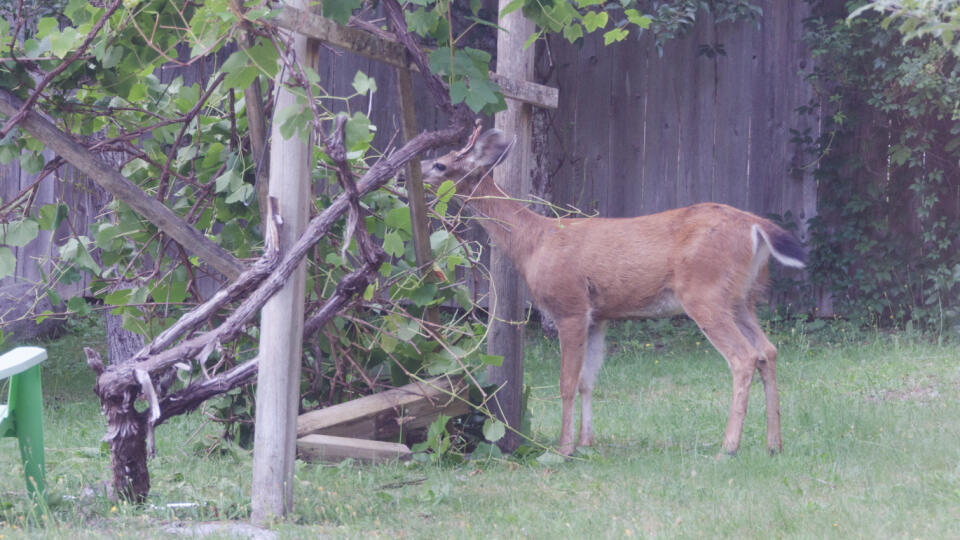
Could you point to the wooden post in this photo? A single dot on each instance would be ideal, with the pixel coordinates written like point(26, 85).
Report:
point(418, 206)
point(506, 332)
point(281, 326)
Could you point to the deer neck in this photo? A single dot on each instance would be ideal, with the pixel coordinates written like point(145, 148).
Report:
point(512, 226)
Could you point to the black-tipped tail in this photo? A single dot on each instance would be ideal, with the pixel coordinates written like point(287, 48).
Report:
point(784, 247)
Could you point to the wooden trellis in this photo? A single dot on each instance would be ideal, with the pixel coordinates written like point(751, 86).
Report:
point(391, 52)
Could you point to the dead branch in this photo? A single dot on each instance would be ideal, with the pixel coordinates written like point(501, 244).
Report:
point(121, 188)
point(151, 359)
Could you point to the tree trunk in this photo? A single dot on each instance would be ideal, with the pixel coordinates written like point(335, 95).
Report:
point(127, 435)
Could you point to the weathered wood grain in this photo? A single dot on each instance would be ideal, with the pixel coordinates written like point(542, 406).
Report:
point(388, 414)
point(334, 449)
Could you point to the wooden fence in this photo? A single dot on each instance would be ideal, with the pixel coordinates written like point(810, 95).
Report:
point(637, 133)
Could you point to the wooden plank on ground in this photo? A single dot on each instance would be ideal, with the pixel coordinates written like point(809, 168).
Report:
point(316, 447)
point(388, 414)
point(385, 50)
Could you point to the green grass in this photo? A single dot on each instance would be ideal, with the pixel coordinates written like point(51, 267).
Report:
point(871, 428)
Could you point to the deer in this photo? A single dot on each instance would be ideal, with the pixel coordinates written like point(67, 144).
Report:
point(707, 260)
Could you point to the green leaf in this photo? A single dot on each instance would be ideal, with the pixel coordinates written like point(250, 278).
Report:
point(440, 61)
point(340, 10)
point(550, 458)
point(130, 321)
point(174, 292)
point(399, 218)
point(119, 297)
point(363, 84)
point(438, 239)
point(494, 430)
point(482, 92)
point(77, 304)
point(560, 15)
point(105, 234)
point(241, 78)
point(8, 153)
point(458, 92)
point(615, 35)
point(446, 190)
point(530, 40)
point(31, 162)
point(8, 262)
point(359, 133)
point(61, 43)
point(422, 22)
point(572, 32)
point(264, 57)
point(595, 20)
point(952, 144)
point(112, 57)
point(388, 343)
point(636, 18)
point(510, 8)
point(899, 154)
point(18, 233)
point(227, 181)
point(243, 193)
point(137, 92)
point(51, 215)
point(424, 294)
point(491, 359)
point(47, 26)
point(75, 250)
point(407, 329)
point(393, 244)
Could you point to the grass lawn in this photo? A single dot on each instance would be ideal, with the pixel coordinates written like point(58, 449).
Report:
point(871, 429)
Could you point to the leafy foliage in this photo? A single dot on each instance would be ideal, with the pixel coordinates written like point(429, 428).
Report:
point(623, 18)
point(885, 238)
point(189, 145)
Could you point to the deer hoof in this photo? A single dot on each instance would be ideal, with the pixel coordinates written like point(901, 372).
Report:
point(726, 455)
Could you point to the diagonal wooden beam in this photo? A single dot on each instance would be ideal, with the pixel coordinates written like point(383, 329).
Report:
point(123, 189)
point(392, 53)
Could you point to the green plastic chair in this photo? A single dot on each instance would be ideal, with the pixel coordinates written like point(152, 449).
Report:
point(22, 416)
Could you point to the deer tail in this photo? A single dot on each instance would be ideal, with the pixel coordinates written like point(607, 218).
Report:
point(786, 249)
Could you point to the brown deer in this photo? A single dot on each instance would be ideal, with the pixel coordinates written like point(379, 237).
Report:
point(707, 260)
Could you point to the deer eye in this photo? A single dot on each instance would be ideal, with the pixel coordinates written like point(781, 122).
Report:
point(440, 167)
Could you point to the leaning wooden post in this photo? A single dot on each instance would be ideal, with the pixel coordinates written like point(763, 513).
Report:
point(281, 323)
point(506, 332)
point(418, 207)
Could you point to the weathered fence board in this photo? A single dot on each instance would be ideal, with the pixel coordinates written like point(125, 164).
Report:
point(637, 133)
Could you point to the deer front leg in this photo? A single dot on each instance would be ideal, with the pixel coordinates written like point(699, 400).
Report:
point(573, 336)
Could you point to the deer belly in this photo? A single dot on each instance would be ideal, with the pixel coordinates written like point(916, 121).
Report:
point(662, 304)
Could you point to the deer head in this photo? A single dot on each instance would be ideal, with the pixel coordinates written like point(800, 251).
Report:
point(468, 166)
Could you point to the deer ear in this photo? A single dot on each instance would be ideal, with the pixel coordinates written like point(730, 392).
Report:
point(490, 148)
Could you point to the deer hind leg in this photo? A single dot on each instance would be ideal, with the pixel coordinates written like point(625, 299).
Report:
point(573, 337)
point(593, 359)
point(716, 320)
point(767, 364)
